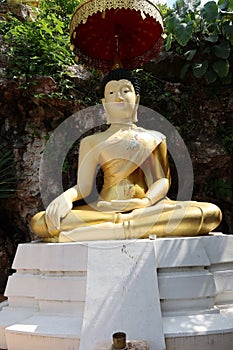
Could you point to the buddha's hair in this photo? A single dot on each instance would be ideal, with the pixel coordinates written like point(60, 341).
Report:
point(118, 74)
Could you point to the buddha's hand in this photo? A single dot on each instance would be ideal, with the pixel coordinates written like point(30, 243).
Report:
point(124, 204)
point(57, 210)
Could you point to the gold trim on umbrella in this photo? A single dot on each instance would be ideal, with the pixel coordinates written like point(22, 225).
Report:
point(145, 13)
point(90, 7)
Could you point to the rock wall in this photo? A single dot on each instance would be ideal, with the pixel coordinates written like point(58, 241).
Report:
point(198, 112)
point(206, 113)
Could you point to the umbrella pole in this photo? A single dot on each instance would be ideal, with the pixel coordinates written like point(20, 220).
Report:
point(117, 61)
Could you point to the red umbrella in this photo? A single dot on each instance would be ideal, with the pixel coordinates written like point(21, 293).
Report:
point(102, 29)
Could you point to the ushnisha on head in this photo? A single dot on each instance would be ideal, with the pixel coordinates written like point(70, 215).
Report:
point(120, 96)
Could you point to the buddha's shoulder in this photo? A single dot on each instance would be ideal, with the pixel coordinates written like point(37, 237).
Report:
point(157, 135)
point(93, 139)
point(105, 136)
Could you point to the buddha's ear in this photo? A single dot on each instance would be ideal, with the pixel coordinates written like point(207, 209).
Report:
point(134, 116)
point(105, 114)
point(103, 102)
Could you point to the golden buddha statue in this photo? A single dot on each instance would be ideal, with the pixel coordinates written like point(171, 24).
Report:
point(133, 202)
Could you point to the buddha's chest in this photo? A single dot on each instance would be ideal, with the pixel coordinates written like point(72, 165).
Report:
point(131, 145)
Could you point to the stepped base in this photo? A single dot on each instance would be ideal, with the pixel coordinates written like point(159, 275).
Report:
point(9, 316)
point(57, 288)
point(205, 332)
point(45, 332)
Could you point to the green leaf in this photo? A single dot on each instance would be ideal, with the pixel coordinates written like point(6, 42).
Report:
point(171, 23)
point(227, 28)
point(222, 50)
point(221, 67)
point(200, 68)
point(227, 79)
point(169, 42)
point(230, 6)
point(207, 50)
point(184, 70)
point(210, 12)
point(210, 76)
point(230, 38)
point(190, 54)
point(223, 4)
point(7, 174)
point(184, 32)
point(213, 38)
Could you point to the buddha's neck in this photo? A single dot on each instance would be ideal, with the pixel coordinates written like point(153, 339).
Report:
point(121, 126)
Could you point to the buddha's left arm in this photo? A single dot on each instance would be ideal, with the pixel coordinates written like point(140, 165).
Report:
point(161, 174)
point(158, 190)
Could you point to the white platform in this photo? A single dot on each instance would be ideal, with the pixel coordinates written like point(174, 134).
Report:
point(51, 293)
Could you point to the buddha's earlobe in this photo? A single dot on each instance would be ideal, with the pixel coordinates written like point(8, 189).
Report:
point(134, 116)
point(137, 100)
point(105, 110)
point(104, 104)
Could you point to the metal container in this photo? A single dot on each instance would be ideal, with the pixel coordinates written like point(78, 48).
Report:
point(119, 341)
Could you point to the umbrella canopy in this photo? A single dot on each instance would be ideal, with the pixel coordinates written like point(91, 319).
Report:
point(102, 29)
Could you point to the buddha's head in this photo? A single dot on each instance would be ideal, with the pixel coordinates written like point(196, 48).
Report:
point(120, 91)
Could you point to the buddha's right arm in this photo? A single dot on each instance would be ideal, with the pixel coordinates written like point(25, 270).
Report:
point(61, 205)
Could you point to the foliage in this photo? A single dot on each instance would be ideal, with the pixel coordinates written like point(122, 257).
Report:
point(220, 188)
point(226, 134)
point(37, 48)
point(163, 8)
point(62, 9)
point(203, 36)
point(7, 174)
point(41, 47)
point(150, 87)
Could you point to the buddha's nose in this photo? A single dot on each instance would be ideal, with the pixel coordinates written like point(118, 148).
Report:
point(119, 99)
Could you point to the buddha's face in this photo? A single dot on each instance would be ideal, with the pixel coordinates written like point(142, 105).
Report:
point(120, 100)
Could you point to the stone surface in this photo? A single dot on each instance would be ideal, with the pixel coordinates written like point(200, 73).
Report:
point(122, 293)
point(49, 293)
point(202, 342)
point(198, 320)
point(26, 122)
point(198, 112)
point(19, 10)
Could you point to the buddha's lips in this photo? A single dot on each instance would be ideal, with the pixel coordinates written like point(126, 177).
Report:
point(119, 104)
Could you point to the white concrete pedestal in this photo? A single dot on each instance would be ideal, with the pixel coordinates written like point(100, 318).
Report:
point(196, 291)
point(46, 298)
point(75, 296)
point(59, 294)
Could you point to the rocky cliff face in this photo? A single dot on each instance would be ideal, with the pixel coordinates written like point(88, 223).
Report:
point(203, 115)
point(25, 125)
point(198, 113)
